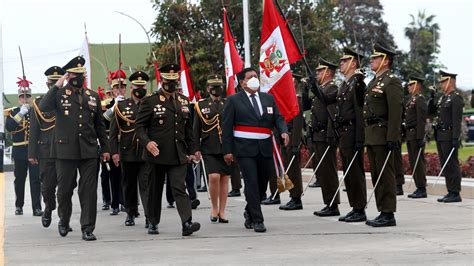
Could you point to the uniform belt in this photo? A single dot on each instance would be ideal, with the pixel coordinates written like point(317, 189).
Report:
point(375, 120)
point(250, 132)
point(20, 143)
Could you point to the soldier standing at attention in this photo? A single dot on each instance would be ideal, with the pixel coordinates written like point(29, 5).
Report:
point(383, 114)
point(164, 127)
point(78, 126)
point(447, 125)
point(39, 148)
point(127, 150)
point(350, 124)
point(416, 111)
point(17, 123)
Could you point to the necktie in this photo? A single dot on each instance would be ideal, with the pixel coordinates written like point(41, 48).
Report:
point(255, 105)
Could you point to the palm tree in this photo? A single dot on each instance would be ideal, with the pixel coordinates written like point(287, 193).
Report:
point(418, 30)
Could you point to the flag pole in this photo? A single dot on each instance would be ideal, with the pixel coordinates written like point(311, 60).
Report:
point(245, 4)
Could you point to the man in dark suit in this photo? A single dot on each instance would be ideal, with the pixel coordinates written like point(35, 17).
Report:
point(249, 117)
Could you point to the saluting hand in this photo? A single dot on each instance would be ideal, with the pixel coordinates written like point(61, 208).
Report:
point(229, 158)
point(60, 82)
point(152, 148)
point(106, 156)
point(286, 138)
point(116, 159)
point(197, 155)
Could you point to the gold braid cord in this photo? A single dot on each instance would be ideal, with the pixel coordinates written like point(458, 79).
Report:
point(129, 121)
point(39, 116)
point(213, 122)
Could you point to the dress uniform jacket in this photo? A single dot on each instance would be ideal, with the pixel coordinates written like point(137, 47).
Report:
point(207, 126)
point(41, 132)
point(20, 134)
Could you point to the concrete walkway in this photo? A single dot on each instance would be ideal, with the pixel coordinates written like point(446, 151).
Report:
point(428, 233)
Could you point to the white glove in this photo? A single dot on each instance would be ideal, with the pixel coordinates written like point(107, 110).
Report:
point(119, 99)
point(24, 109)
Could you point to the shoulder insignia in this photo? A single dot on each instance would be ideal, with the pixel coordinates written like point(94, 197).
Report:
point(88, 92)
point(162, 98)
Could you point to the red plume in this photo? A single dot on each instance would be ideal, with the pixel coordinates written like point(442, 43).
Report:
point(23, 83)
point(101, 93)
point(119, 74)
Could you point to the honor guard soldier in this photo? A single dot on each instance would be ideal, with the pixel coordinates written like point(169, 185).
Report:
point(323, 137)
point(350, 124)
point(447, 128)
point(17, 123)
point(292, 152)
point(79, 124)
point(416, 112)
point(39, 148)
point(126, 148)
point(164, 127)
point(383, 114)
point(208, 140)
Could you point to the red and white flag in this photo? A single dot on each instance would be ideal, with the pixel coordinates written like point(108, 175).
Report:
point(232, 62)
point(278, 50)
point(185, 77)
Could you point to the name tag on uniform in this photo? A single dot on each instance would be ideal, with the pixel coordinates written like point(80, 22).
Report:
point(270, 110)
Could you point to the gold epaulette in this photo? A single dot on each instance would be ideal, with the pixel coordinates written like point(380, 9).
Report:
point(39, 115)
point(8, 111)
point(213, 122)
point(129, 121)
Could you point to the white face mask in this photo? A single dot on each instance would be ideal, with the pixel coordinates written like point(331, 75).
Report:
point(253, 84)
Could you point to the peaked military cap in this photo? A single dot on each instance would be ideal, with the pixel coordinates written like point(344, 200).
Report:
point(323, 63)
point(214, 79)
point(76, 65)
point(54, 72)
point(170, 72)
point(445, 76)
point(415, 79)
point(139, 78)
point(24, 91)
point(380, 50)
point(350, 53)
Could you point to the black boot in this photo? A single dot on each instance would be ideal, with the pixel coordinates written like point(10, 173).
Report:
point(453, 197)
point(19, 211)
point(358, 215)
point(46, 218)
point(63, 228)
point(88, 236)
point(383, 220)
point(153, 229)
point(419, 193)
point(271, 201)
point(293, 204)
point(328, 211)
point(190, 227)
point(130, 221)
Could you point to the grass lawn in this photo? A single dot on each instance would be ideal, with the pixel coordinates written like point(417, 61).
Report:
point(464, 152)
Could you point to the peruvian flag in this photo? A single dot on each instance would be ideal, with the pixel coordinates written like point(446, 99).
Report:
point(232, 61)
point(278, 50)
point(185, 77)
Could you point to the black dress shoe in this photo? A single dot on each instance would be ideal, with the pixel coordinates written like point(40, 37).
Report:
point(271, 201)
point(147, 222)
point(315, 184)
point(88, 236)
point(222, 220)
point(383, 220)
point(293, 204)
point(357, 216)
point(46, 218)
point(189, 228)
point(105, 206)
point(195, 203)
point(234, 193)
point(399, 190)
point(130, 221)
point(214, 219)
point(19, 211)
point(452, 197)
point(259, 228)
point(115, 211)
point(153, 229)
point(328, 211)
point(248, 221)
point(418, 194)
point(63, 228)
point(343, 218)
point(37, 212)
point(202, 189)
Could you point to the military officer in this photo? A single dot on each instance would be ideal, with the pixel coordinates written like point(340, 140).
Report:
point(163, 125)
point(350, 124)
point(382, 114)
point(323, 137)
point(78, 126)
point(292, 151)
point(447, 125)
point(416, 111)
point(207, 128)
point(126, 148)
point(17, 123)
point(39, 148)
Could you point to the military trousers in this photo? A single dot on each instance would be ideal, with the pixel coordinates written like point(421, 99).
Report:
point(21, 170)
point(452, 171)
point(327, 171)
point(294, 172)
point(419, 174)
point(398, 164)
point(235, 178)
point(385, 193)
point(176, 176)
point(67, 181)
point(48, 178)
point(134, 183)
point(355, 179)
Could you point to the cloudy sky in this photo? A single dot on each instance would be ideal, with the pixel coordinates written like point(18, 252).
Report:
point(52, 31)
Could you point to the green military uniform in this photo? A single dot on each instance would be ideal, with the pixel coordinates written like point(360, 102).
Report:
point(382, 114)
point(416, 111)
point(78, 126)
point(447, 125)
point(124, 142)
point(17, 123)
point(350, 124)
point(164, 118)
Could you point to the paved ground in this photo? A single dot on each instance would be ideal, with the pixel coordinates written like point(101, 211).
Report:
point(427, 233)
